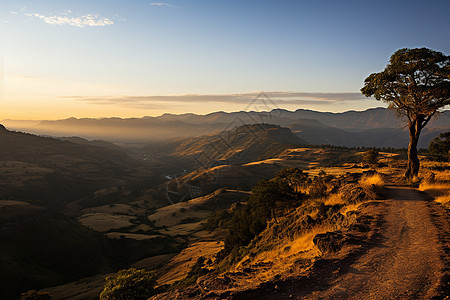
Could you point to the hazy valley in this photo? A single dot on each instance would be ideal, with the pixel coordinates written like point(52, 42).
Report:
point(376, 127)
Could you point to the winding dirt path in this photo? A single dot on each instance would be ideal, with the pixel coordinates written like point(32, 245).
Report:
point(410, 260)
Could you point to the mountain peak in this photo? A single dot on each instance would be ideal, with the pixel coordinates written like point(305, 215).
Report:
point(3, 128)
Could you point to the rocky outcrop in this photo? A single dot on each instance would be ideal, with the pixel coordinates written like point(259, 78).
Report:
point(329, 242)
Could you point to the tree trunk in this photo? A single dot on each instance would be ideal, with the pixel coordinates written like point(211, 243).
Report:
point(412, 169)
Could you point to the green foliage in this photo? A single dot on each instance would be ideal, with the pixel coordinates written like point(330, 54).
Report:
point(294, 177)
point(220, 219)
point(267, 198)
point(416, 84)
point(439, 148)
point(370, 157)
point(318, 187)
point(129, 285)
point(35, 295)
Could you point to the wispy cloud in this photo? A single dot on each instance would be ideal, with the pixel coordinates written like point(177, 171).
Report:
point(65, 18)
point(281, 98)
point(161, 4)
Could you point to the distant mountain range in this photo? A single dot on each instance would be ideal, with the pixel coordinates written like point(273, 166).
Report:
point(378, 127)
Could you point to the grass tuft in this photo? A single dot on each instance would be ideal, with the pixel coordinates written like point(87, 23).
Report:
point(445, 199)
point(372, 180)
point(439, 190)
point(335, 199)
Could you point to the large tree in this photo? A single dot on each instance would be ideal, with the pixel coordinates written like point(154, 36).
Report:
point(416, 83)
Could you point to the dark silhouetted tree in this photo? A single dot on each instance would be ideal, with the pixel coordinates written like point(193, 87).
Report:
point(416, 83)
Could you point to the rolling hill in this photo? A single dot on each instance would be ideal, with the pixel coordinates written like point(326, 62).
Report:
point(42, 243)
point(53, 172)
point(242, 144)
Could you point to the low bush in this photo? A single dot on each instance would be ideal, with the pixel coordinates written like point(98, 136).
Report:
point(129, 284)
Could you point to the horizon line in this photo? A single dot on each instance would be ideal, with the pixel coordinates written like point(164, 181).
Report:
point(192, 113)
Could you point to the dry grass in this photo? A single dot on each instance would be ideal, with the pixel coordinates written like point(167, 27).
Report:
point(304, 243)
point(173, 215)
point(182, 229)
point(6, 203)
point(445, 199)
point(373, 180)
point(284, 258)
point(334, 199)
point(350, 207)
point(103, 222)
point(426, 186)
point(443, 175)
point(86, 288)
point(439, 190)
point(181, 264)
point(123, 209)
point(134, 236)
point(154, 262)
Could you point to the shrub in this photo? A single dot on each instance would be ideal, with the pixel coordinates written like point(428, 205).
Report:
point(129, 284)
point(318, 187)
point(220, 219)
point(439, 148)
point(370, 157)
point(372, 180)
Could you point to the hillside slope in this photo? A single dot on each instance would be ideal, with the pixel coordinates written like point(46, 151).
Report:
point(52, 172)
point(242, 144)
point(406, 260)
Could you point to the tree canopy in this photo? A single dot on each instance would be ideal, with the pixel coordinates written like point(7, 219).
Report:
point(416, 83)
point(439, 148)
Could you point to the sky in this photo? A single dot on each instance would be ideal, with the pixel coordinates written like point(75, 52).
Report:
point(134, 58)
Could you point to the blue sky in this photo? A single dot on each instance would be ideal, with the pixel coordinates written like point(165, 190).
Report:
point(134, 58)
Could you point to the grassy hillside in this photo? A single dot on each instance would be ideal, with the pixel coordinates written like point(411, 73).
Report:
point(271, 234)
point(44, 250)
point(239, 145)
point(52, 172)
point(46, 183)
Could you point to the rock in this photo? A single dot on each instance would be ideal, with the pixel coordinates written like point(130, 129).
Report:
point(329, 242)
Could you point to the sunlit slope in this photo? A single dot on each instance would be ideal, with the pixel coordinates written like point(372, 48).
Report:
point(239, 145)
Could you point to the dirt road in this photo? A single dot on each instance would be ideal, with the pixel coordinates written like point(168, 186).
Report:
point(409, 259)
